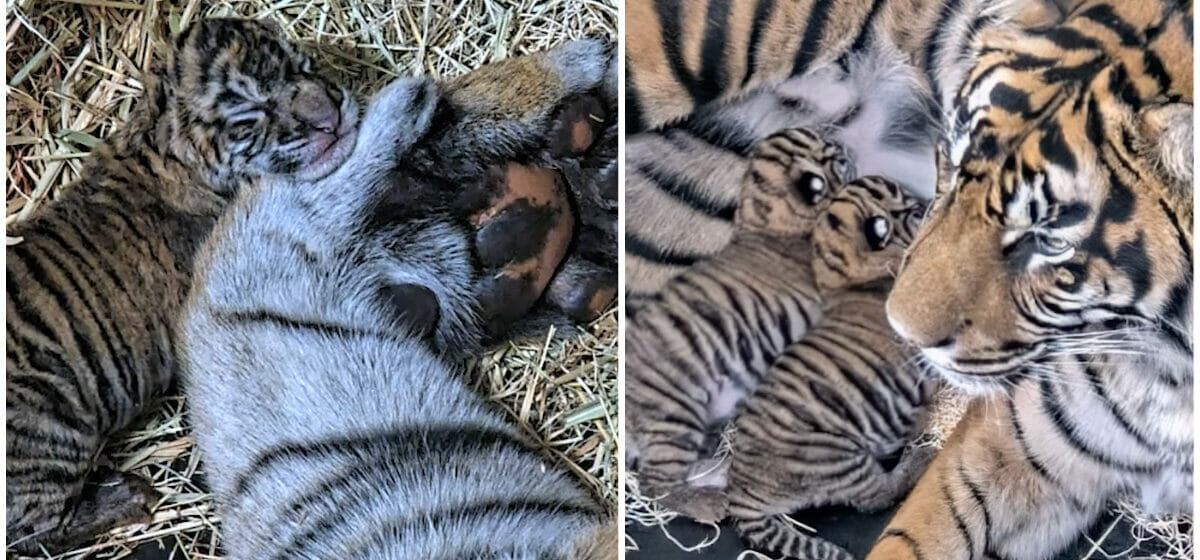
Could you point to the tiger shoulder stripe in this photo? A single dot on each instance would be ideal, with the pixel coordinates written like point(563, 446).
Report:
point(1059, 188)
point(97, 282)
point(683, 55)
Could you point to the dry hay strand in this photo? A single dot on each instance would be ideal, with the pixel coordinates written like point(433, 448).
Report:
point(73, 70)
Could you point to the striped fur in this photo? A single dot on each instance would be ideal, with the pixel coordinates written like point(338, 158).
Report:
point(329, 426)
point(682, 180)
point(801, 359)
point(705, 80)
point(683, 55)
point(836, 407)
point(1072, 313)
point(96, 285)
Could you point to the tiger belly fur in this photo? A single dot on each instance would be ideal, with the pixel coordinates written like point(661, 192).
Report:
point(328, 427)
point(96, 285)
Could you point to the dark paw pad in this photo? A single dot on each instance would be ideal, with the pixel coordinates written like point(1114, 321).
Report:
point(504, 298)
point(516, 233)
point(578, 126)
point(414, 305)
point(584, 299)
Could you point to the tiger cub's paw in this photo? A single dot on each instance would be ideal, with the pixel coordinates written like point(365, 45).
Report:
point(112, 499)
point(704, 504)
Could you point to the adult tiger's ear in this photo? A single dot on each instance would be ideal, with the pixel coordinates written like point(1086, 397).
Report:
point(1165, 131)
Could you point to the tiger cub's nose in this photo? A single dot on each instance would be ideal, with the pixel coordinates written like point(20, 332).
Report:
point(313, 106)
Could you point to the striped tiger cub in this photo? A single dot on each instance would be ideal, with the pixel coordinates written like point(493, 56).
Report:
point(330, 423)
point(724, 340)
point(1069, 190)
point(683, 180)
point(831, 419)
point(96, 285)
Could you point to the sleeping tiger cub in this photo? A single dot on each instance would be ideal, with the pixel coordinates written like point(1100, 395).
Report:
point(331, 424)
point(1069, 190)
point(804, 351)
point(95, 286)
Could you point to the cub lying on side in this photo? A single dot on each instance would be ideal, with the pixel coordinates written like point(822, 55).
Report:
point(329, 425)
point(99, 280)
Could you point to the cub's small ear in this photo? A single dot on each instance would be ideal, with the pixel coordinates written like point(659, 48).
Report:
point(272, 26)
point(1165, 132)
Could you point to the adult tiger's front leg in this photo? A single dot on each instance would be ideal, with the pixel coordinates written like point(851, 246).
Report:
point(986, 496)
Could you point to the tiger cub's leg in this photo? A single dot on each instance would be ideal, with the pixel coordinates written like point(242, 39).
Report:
point(765, 484)
point(102, 500)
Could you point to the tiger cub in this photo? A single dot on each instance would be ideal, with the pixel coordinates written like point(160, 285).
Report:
point(96, 284)
point(330, 424)
point(708, 338)
point(683, 179)
point(831, 419)
point(1067, 189)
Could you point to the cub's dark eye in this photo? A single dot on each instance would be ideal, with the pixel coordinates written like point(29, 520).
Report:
point(811, 187)
point(878, 231)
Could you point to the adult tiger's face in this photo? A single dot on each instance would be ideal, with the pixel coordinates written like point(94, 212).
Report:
point(245, 100)
point(1056, 224)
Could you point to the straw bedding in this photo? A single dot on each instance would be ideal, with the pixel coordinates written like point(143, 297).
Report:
point(72, 71)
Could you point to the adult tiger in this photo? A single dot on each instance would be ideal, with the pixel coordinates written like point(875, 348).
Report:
point(682, 55)
point(1055, 276)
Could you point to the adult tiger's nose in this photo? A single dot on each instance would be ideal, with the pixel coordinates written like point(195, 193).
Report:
point(314, 107)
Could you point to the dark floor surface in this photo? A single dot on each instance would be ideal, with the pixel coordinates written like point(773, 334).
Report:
point(856, 532)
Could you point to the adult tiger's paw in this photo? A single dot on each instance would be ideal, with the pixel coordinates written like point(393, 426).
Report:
point(523, 230)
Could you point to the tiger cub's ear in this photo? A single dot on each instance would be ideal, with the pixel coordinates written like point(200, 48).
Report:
point(1165, 131)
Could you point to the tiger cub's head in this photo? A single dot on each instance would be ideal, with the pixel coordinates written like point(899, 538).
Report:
point(1061, 229)
point(792, 176)
point(234, 98)
point(862, 234)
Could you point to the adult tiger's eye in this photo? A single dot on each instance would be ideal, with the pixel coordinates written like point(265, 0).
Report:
point(1052, 245)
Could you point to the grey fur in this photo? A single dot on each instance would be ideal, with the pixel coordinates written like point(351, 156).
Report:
point(328, 428)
